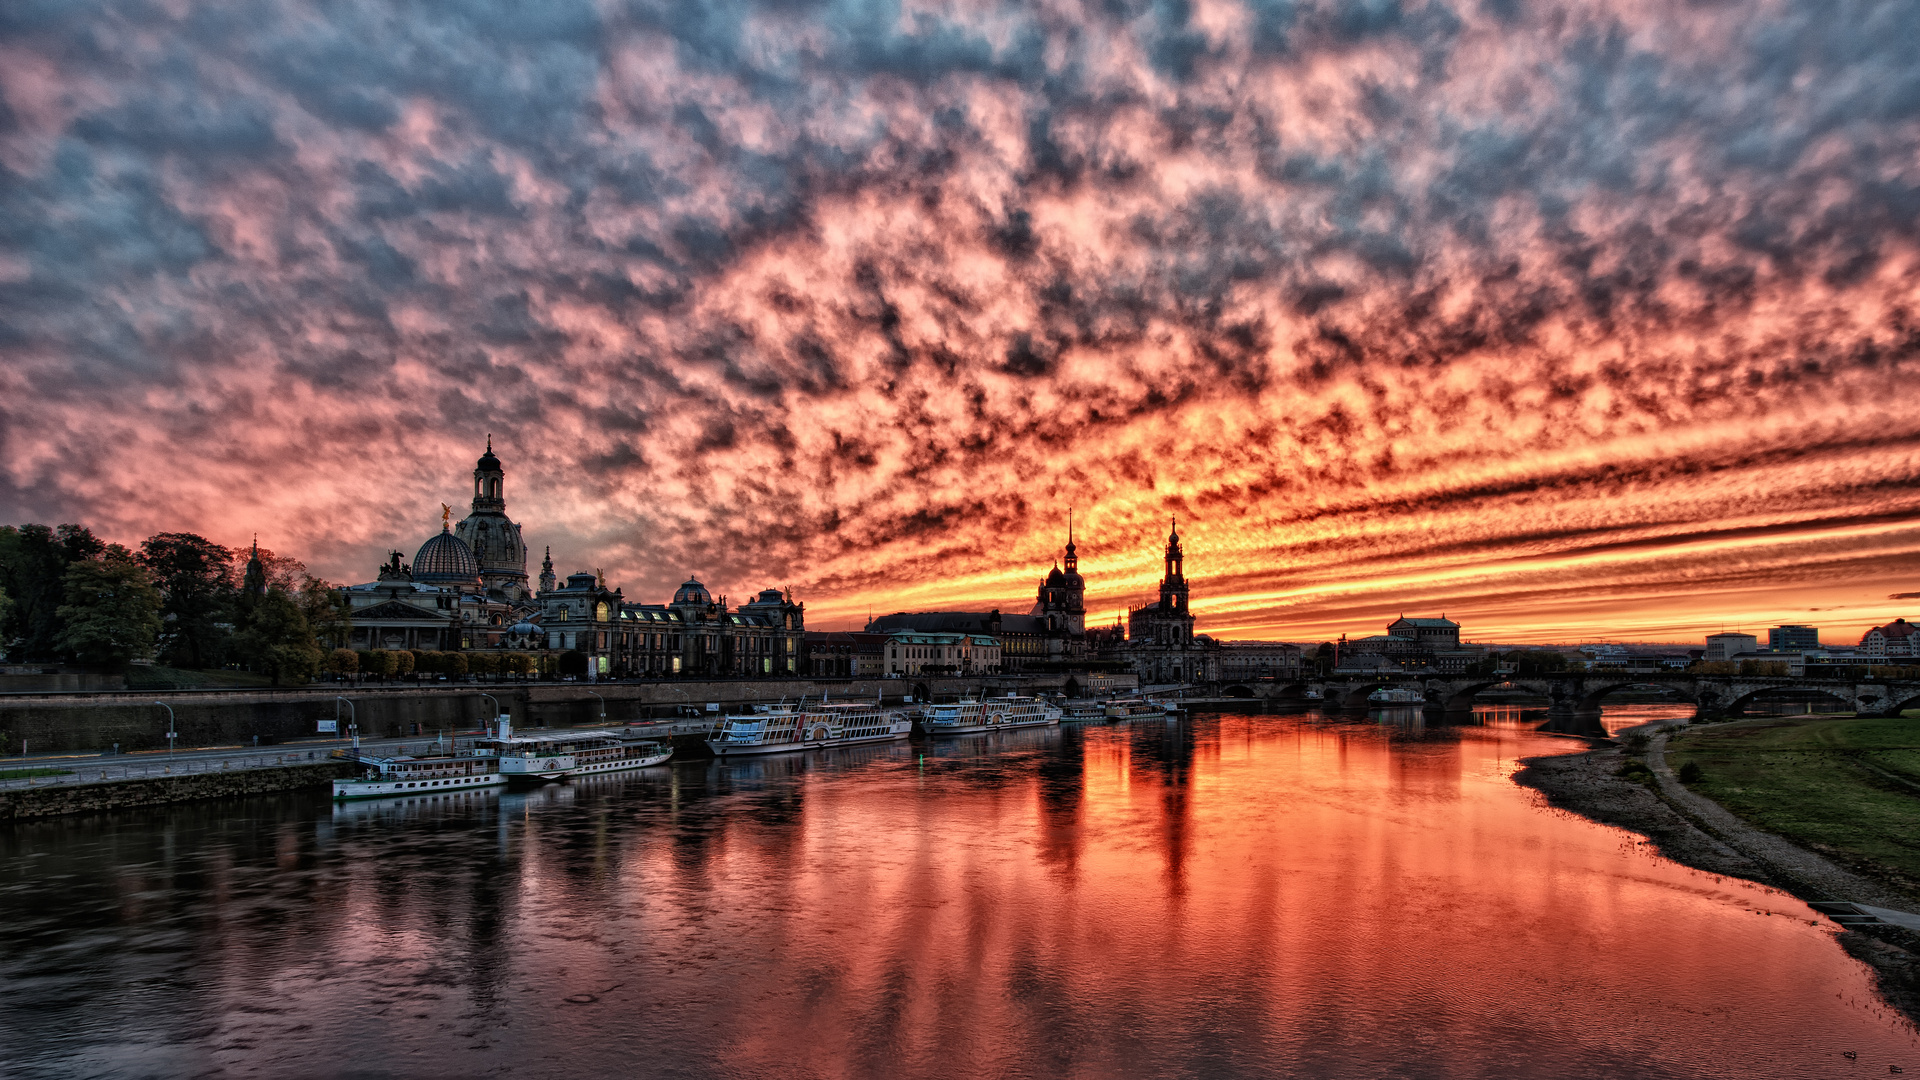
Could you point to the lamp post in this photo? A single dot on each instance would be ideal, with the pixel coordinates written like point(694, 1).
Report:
point(172, 734)
point(603, 707)
point(496, 711)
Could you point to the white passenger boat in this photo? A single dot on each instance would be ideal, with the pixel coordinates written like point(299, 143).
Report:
point(846, 723)
point(774, 729)
point(1082, 711)
point(1122, 709)
point(386, 777)
point(762, 729)
point(993, 714)
point(1396, 696)
point(527, 759)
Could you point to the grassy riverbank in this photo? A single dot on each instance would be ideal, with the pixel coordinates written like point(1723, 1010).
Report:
point(1848, 788)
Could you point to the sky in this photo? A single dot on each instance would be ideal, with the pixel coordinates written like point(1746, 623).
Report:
point(1569, 320)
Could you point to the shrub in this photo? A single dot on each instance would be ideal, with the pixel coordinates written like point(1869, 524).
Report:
point(1635, 742)
point(1691, 773)
point(1635, 770)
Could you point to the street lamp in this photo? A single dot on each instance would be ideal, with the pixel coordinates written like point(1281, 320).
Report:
point(171, 733)
point(603, 707)
point(496, 713)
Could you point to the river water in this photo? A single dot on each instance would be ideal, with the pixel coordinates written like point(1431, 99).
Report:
point(1227, 896)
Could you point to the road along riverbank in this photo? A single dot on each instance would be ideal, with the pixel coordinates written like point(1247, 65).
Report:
point(1640, 792)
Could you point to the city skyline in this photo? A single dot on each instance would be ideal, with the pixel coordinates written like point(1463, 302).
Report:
point(1568, 320)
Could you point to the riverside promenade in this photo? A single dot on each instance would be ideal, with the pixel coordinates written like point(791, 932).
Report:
point(79, 722)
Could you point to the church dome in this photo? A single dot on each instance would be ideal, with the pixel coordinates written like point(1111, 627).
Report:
point(445, 559)
point(487, 462)
point(693, 593)
point(1055, 579)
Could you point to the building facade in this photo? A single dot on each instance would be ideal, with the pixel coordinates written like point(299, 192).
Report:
point(1727, 646)
point(1792, 638)
point(912, 653)
point(1161, 646)
point(1894, 639)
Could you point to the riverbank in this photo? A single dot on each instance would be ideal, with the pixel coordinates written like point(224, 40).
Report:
point(1640, 793)
point(53, 801)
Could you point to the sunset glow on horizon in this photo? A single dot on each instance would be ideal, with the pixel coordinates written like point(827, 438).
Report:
point(1570, 320)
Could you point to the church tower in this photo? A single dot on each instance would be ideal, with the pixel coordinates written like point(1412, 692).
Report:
point(1074, 587)
point(494, 538)
point(547, 581)
point(1173, 587)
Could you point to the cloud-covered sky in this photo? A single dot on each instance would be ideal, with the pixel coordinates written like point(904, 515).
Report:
point(1568, 319)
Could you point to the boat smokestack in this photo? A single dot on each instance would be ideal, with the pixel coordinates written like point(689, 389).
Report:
point(506, 726)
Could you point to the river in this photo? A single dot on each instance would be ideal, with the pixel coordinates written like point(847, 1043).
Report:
point(1226, 896)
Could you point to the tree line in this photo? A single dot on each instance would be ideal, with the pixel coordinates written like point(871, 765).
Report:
point(181, 599)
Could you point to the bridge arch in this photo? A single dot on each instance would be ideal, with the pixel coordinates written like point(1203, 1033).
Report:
point(1458, 696)
point(1237, 690)
point(1591, 695)
point(1739, 700)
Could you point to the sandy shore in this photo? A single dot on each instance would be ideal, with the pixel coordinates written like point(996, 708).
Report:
point(1696, 832)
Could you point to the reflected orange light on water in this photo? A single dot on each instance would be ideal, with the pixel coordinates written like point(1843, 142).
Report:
point(1234, 895)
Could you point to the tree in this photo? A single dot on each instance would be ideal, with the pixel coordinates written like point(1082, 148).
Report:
point(33, 568)
point(328, 612)
point(573, 662)
point(272, 637)
point(196, 578)
point(112, 613)
point(343, 661)
point(403, 662)
point(1323, 658)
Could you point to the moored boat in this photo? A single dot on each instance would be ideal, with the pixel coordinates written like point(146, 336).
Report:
point(526, 759)
point(1121, 709)
point(993, 714)
point(1395, 696)
point(414, 774)
point(763, 729)
point(849, 723)
point(1082, 711)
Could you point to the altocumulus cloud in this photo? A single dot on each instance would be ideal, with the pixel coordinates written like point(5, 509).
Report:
point(1549, 315)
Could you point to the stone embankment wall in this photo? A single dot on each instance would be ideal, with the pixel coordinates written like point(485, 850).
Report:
point(59, 799)
point(66, 723)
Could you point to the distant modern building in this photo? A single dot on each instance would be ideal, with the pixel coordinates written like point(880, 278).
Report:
point(1792, 637)
point(1894, 639)
point(1726, 646)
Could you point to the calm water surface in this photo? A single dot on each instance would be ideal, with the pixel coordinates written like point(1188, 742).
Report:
point(1230, 896)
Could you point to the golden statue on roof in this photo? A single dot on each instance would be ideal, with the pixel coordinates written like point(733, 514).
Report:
point(446, 516)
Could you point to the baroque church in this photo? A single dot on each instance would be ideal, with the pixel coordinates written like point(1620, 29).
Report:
point(1051, 637)
point(1160, 644)
point(467, 588)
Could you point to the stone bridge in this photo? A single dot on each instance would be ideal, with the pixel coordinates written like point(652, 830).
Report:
point(1574, 698)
